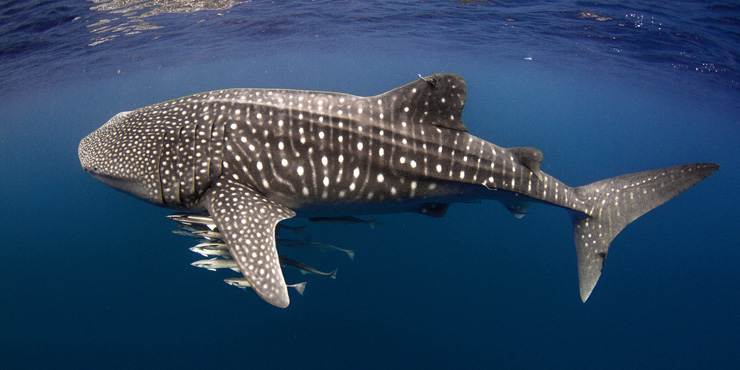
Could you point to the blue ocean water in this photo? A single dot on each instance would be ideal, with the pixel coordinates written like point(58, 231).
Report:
point(92, 278)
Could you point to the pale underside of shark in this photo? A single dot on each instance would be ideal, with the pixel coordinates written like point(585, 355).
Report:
point(255, 157)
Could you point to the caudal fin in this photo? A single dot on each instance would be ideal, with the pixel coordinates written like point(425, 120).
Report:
point(616, 202)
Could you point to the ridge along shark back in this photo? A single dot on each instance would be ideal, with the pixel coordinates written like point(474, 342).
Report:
point(255, 157)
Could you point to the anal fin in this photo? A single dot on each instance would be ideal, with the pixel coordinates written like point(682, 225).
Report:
point(247, 221)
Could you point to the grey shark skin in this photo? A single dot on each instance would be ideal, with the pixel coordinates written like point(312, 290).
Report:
point(254, 157)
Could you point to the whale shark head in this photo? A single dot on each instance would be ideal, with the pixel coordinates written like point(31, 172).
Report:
point(119, 155)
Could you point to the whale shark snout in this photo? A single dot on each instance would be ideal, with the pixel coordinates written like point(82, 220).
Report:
point(119, 156)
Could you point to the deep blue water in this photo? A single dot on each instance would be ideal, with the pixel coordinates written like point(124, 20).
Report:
point(92, 278)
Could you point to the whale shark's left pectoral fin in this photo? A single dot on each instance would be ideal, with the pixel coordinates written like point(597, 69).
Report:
point(247, 221)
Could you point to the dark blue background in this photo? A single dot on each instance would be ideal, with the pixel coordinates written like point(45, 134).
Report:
point(92, 278)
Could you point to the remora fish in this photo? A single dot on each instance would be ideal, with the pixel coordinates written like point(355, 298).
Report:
point(346, 220)
point(254, 157)
point(208, 235)
point(244, 283)
point(216, 263)
point(201, 218)
point(191, 229)
point(306, 242)
point(211, 249)
point(304, 268)
point(213, 264)
point(203, 222)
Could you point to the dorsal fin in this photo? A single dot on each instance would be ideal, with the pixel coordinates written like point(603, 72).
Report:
point(436, 100)
point(529, 157)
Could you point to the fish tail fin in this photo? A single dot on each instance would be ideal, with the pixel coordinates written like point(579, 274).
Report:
point(196, 250)
point(614, 203)
point(300, 287)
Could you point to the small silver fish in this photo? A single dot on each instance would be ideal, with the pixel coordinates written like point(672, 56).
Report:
point(209, 235)
point(184, 232)
point(211, 249)
point(193, 228)
point(201, 218)
point(294, 243)
point(305, 268)
point(216, 263)
point(213, 264)
point(198, 234)
point(243, 283)
point(346, 220)
point(202, 221)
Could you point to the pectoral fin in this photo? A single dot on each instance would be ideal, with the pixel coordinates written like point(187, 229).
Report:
point(247, 221)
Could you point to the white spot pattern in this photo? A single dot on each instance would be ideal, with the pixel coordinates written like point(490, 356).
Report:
point(247, 220)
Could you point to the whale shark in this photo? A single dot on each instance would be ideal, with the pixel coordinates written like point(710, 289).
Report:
point(255, 157)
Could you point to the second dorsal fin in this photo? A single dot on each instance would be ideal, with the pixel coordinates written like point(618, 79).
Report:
point(529, 157)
